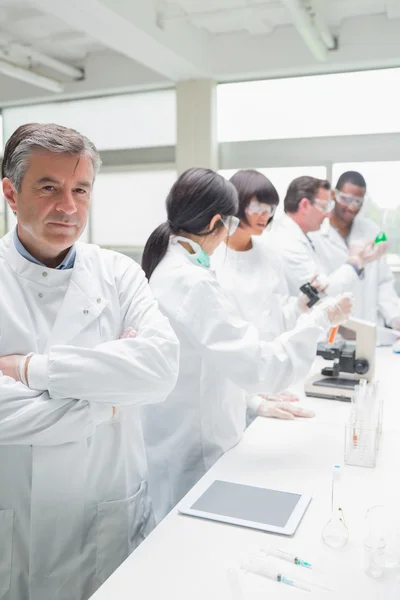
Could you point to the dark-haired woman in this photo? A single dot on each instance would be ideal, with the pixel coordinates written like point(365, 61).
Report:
point(252, 276)
point(221, 354)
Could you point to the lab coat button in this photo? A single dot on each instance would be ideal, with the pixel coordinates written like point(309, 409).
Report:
point(98, 300)
point(40, 295)
point(44, 274)
point(85, 312)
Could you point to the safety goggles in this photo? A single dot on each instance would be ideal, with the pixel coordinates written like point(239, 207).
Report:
point(324, 206)
point(260, 208)
point(231, 223)
point(348, 199)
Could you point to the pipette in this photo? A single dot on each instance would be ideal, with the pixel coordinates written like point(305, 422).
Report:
point(292, 558)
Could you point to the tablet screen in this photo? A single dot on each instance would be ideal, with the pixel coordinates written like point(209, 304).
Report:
point(248, 503)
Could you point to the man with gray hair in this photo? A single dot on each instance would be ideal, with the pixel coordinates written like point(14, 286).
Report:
point(82, 346)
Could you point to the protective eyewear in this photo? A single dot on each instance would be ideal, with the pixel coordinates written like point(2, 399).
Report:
point(259, 208)
point(231, 223)
point(324, 206)
point(348, 199)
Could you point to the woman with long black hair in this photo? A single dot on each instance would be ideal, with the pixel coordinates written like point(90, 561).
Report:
point(221, 356)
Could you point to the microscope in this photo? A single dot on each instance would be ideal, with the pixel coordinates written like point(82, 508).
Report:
point(351, 361)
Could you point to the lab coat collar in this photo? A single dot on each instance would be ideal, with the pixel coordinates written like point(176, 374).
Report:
point(326, 227)
point(329, 232)
point(293, 227)
point(65, 264)
point(295, 231)
point(86, 295)
point(34, 272)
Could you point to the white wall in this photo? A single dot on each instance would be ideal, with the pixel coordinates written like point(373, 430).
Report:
point(112, 122)
point(128, 206)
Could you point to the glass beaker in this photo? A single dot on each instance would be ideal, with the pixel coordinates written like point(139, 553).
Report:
point(383, 521)
point(375, 541)
point(374, 557)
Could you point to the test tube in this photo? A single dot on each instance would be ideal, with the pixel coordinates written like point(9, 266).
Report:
point(332, 334)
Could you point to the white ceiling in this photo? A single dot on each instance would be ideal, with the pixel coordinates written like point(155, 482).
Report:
point(143, 44)
point(264, 16)
point(22, 22)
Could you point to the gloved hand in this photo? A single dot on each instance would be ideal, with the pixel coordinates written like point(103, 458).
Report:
point(283, 410)
point(363, 252)
point(332, 311)
point(280, 396)
point(302, 303)
point(320, 282)
point(395, 323)
point(13, 366)
point(375, 251)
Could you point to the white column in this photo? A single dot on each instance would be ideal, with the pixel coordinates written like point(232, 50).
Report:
point(197, 144)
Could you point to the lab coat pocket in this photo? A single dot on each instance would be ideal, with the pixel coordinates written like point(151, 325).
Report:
point(6, 541)
point(121, 526)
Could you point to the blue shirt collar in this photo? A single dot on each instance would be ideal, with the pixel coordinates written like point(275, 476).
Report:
point(67, 263)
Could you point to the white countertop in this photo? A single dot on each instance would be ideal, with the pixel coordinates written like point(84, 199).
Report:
point(187, 558)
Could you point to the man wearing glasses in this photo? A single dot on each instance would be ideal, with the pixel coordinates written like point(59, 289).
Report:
point(307, 204)
point(375, 295)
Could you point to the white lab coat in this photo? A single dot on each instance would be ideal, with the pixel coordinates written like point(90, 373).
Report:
point(255, 283)
point(375, 297)
point(302, 262)
point(73, 480)
point(222, 357)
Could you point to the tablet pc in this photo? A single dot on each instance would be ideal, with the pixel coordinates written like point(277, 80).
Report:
point(276, 511)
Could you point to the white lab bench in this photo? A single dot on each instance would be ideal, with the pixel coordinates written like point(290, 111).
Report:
point(187, 558)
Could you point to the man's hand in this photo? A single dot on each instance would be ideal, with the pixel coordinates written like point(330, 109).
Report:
point(11, 365)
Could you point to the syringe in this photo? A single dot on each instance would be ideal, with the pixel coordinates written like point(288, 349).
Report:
point(292, 558)
point(265, 570)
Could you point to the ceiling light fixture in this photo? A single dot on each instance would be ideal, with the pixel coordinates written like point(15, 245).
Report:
point(312, 27)
point(28, 76)
point(42, 59)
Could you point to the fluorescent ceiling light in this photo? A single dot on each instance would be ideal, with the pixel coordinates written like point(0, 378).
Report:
point(47, 61)
point(12, 49)
point(311, 27)
point(31, 77)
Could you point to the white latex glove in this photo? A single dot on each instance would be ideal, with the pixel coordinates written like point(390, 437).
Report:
point(375, 251)
point(302, 302)
point(281, 396)
point(364, 252)
point(395, 323)
point(332, 311)
point(320, 282)
point(283, 410)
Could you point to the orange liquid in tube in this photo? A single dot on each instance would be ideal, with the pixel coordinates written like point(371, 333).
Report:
point(332, 334)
